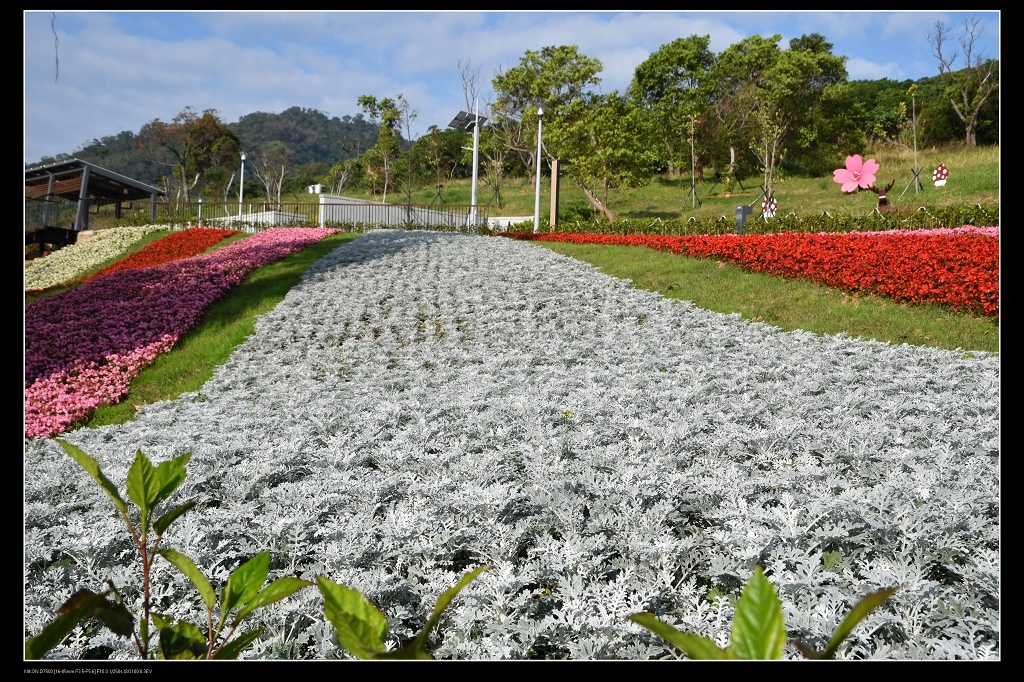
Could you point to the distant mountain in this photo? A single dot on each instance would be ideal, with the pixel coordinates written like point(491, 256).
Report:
point(310, 135)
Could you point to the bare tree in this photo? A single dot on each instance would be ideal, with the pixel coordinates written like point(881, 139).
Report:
point(406, 116)
point(470, 78)
point(227, 189)
point(972, 84)
point(271, 165)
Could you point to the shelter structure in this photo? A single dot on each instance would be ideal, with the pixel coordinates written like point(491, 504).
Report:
point(60, 196)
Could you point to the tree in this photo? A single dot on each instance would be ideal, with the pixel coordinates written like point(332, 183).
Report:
point(270, 164)
point(817, 108)
point(438, 155)
point(492, 142)
point(341, 175)
point(969, 87)
point(608, 142)
point(554, 77)
point(739, 73)
point(674, 84)
point(310, 135)
point(190, 145)
point(379, 160)
point(777, 99)
point(406, 115)
point(121, 154)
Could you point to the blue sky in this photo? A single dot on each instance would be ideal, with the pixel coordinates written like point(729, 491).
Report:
point(119, 70)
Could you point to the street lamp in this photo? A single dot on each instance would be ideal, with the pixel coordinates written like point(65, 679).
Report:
point(464, 121)
point(241, 183)
point(536, 203)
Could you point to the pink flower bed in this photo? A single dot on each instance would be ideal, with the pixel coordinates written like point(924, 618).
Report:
point(85, 345)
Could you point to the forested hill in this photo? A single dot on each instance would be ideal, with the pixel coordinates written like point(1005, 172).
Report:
point(310, 135)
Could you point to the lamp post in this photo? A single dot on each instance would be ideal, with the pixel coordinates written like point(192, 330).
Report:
point(241, 184)
point(464, 121)
point(536, 203)
point(476, 160)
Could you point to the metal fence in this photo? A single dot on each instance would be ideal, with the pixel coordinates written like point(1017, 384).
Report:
point(53, 212)
point(329, 212)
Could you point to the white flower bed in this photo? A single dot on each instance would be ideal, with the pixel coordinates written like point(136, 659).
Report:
point(72, 262)
point(422, 403)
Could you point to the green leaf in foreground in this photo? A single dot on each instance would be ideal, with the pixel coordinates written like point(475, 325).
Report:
point(92, 468)
point(182, 641)
point(245, 581)
point(143, 487)
point(82, 605)
point(171, 473)
point(758, 628)
point(275, 591)
point(694, 646)
point(230, 651)
point(360, 626)
point(167, 519)
point(192, 572)
point(858, 613)
point(442, 603)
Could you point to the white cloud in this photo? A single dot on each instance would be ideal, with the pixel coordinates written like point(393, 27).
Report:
point(863, 69)
point(120, 70)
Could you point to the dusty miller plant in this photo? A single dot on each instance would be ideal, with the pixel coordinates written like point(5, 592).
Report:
point(147, 487)
point(758, 630)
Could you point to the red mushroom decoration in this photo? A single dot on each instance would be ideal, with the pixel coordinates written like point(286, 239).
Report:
point(940, 174)
point(769, 206)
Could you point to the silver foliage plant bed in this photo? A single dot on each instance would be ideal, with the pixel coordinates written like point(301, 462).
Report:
point(423, 403)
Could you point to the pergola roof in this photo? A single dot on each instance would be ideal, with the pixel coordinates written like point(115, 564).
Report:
point(103, 185)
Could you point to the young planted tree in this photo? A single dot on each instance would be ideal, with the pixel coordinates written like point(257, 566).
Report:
point(969, 87)
point(608, 141)
point(438, 155)
point(675, 85)
point(379, 160)
point(739, 74)
point(553, 77)
point(271, 164)
point(406, 115)
point(773, 99)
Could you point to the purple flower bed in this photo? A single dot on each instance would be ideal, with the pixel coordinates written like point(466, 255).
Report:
point(84, 346)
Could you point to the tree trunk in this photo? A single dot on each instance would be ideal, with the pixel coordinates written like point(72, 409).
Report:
point(596, 203)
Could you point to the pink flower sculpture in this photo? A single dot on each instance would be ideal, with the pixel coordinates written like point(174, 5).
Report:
point(856, 174)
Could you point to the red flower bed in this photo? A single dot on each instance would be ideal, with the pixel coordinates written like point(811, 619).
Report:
point(960, 270)
point(175, 246)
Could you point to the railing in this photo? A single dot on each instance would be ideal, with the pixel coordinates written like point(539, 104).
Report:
point(331, 211)
point(50, 213)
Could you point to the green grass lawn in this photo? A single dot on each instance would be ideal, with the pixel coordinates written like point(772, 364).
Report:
point(973, 178)
point(786, 303)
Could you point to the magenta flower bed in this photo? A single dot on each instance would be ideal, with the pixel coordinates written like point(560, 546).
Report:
point(85, 345)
